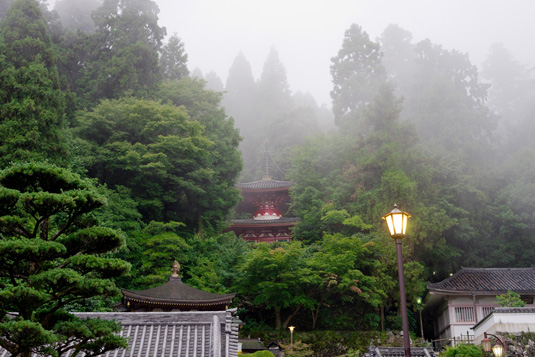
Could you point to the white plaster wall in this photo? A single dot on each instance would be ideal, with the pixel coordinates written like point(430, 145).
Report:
point(504, 322)
point(487, 300)
point(458, 330)
point(461, 300)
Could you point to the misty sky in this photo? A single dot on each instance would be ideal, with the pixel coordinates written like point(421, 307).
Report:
point(307, 33)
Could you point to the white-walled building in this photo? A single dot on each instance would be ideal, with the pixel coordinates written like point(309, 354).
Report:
point(467, 297)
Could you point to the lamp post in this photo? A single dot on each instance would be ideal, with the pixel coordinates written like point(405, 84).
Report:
point(419, 302)
point(397, 225)
point(291, 337)
point(497, 349)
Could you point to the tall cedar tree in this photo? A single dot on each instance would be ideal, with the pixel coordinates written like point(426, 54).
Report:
point(123, 51)
point(31, 102)
point(174, 59)
point(53, 256)
point(240, 102)
point(357, 73)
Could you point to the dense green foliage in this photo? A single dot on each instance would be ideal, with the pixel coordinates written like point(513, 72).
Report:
point(123, 52)
point(463, 350)
point(53, 257)
point(31, 102)
point(153, 150)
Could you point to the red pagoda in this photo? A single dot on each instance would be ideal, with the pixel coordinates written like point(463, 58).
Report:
point(266, 201)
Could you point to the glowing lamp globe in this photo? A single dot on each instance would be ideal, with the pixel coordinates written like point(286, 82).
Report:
point(397, 222)
point(497, 350)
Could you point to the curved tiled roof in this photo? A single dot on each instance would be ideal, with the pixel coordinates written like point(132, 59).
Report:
point(148, 334)
point(264, 184)
point(264, 221)
point(176, 292)
point(488, 280)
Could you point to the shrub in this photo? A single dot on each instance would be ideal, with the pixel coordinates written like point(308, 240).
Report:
point(463, 350)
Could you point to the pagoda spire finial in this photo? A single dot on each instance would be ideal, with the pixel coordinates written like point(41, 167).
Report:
point(267, 158)
point(175, 269)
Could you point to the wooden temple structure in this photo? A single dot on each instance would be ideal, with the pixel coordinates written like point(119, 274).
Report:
point(267, 202)
point(174, 296)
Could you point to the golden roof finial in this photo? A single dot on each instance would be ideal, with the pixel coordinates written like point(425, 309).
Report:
point(175, 269)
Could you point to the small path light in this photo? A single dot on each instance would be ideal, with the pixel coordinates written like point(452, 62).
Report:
point(419, 302)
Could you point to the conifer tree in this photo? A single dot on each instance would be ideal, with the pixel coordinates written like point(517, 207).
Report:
point(174, 59)
point(123, 51)
point(357, 74)
point(31, 102)
point(52, 255)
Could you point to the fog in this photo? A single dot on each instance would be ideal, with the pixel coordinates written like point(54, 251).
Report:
point(308, 33)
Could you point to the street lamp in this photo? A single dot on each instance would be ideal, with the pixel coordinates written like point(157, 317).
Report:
point(397, 225)
point(291, 336)
point(498, 350)
point(419, 302)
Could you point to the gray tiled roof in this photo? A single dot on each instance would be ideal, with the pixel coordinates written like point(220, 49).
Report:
point(251, 344)
point(185, 334)
point(514, 310)
point(264, 184)
point(488, 280)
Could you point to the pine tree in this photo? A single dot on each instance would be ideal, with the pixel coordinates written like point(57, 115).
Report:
point(53, 256)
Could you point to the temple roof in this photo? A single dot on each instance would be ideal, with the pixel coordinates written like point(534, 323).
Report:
point(199, 333)
point(176, 293)
point(264, 185)
point(487, 281)
point(282, 221)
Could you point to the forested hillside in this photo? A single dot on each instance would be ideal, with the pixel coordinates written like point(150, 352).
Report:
point(109, 98)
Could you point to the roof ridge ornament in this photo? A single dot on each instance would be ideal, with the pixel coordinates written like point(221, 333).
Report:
point(175, 269)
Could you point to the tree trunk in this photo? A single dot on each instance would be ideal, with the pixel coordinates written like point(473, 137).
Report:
point(287, 321)
point(316, 313)
point(277, 318)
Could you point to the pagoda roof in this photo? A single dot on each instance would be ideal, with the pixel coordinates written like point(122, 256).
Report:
point(487, 281)
point(252, 221)
point(176, 295)
point(264, 185)
point(175, 291)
